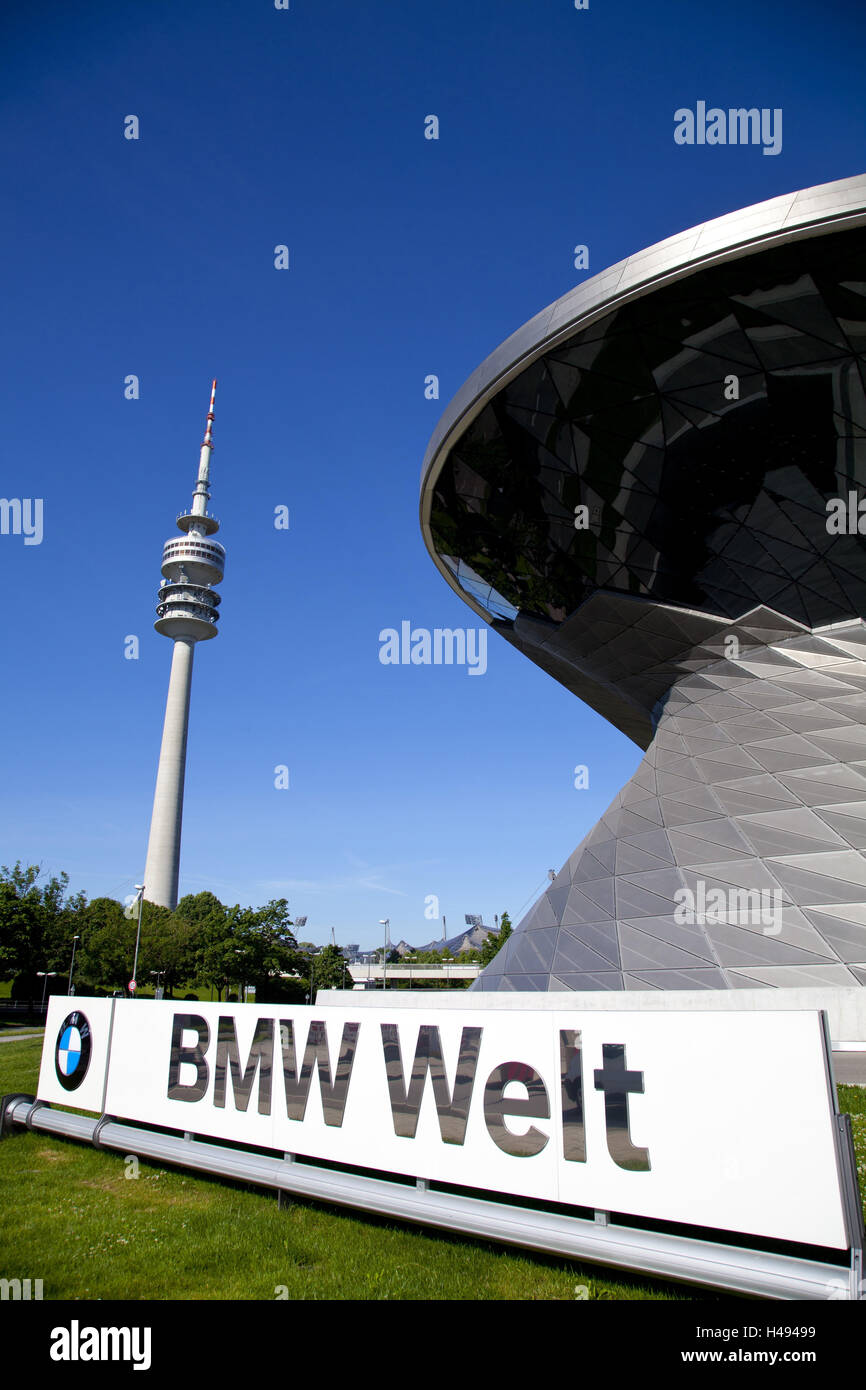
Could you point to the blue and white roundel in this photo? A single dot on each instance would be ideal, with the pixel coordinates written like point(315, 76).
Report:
point(72, 1052)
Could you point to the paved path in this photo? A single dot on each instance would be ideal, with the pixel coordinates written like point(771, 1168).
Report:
point(19, 1037)
point(850, 1068)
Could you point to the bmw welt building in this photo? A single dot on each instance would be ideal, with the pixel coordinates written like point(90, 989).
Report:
point(653, 490)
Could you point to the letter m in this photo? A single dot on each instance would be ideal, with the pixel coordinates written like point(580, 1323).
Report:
point(745, 906)
point(449, 646)
point(261, 1060)
point(10, 506)
point(115, 1344)
point(452, 1108)
point(744, 126)
point(316, 1054)
point(10, 1288)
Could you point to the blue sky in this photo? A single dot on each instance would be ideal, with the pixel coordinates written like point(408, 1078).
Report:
point(305, 127)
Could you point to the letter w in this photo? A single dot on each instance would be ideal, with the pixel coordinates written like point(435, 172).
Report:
point(452, 1109)
point(261, 1055)
point(316, 1054)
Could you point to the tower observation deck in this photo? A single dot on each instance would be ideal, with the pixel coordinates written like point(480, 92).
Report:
point(187, 612)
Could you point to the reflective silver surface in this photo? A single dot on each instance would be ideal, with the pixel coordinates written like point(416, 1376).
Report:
point(704, 404)
point(571, 1072)
point(497, 1106)
point(618, 1084)
point(452, 1109)
point(261, 1060)
point(192, 1055)
point(316, 1054)
point(710, 1263)
point(777, 221)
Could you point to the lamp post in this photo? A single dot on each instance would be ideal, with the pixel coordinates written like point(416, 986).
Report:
point(48, 974)
point(139, 888)
point(72, 964)
point(385, 922)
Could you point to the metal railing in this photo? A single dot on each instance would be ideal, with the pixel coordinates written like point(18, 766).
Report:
point(594, 1236)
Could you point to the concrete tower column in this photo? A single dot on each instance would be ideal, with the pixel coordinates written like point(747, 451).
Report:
point(163, 849)
point(187, 612)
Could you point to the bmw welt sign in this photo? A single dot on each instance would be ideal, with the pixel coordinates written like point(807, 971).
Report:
point(708, 1118)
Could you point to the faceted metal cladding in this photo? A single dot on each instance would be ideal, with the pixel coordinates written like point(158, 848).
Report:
point(186, 612)
point(754, 787)
point(633, 491)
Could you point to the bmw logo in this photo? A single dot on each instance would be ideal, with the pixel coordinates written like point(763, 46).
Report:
point(72, 1051)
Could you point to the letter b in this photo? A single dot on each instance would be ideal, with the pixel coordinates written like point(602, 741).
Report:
point(192, 1056)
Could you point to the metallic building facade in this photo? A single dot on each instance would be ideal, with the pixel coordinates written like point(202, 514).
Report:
point(633, 490)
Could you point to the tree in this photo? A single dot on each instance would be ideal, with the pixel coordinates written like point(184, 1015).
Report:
point(166, 949)
point(107, 948)
point(329, 969)
point(496, 940)
point(37, 923)
point(208, 920)
point(259, 948)
point(393, 957)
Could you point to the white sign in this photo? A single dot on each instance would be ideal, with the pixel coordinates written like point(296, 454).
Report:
point(713, 1119)
point(75, 1052)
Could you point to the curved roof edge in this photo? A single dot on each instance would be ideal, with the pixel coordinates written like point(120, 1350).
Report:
point(824, 208)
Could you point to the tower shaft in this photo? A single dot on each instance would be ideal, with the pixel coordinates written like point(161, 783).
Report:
point(163, 848)
point(187, 613)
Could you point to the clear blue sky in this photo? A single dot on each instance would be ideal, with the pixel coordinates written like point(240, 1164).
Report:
point(408, 257)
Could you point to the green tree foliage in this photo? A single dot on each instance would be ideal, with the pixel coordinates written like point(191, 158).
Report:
point(166, 950)
point(107, 945)
point(265, 943)
point(330, 970)
point(247, 946)
point(202, 940)
point(37, 924)
point(496, 940)
point(393, 957)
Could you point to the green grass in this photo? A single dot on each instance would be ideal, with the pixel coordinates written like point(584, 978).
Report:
point(72, 1218)
point(852, 1099)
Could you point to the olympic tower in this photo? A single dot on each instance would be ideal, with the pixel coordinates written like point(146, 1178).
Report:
point(187, 613)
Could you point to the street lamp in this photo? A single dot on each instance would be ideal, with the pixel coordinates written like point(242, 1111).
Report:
point(47, 974)
point(139, 888)
point(72, 964)
point(385, 922)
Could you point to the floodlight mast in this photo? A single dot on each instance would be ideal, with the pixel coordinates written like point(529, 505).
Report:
point(187, 613)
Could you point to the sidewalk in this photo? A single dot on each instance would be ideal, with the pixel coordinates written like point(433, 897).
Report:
point(850, 1068)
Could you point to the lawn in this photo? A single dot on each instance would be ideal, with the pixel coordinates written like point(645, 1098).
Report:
point(73, 1218)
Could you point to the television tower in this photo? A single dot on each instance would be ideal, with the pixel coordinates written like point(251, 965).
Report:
point(187, 613)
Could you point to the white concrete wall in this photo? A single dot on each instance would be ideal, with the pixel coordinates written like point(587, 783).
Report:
point(846, 1008)
point(163, 848)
